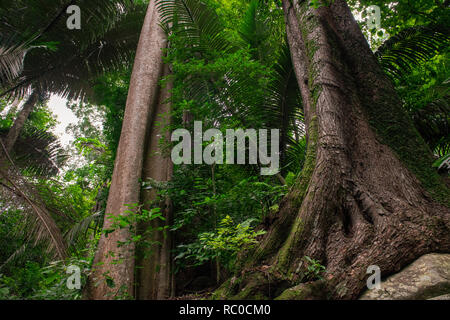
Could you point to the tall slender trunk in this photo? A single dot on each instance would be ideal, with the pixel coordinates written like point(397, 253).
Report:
point(367, 194)
point(22, 117)
point(154, 280)
point(13, 109)
point(110, 279)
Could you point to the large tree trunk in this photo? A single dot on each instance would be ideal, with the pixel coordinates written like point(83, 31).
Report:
point(154, 279)
point(125, 187)
point(22, 117)
point(367, 194)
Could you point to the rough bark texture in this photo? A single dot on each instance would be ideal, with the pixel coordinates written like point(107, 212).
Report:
point(154, 276)
point(125, 188)
point(367, 194)
point(22, 117)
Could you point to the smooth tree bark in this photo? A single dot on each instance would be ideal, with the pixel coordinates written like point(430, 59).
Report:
point(154, 271)
point(16, 129)
point(113, 269)
point(367, 194)
point(14, 106)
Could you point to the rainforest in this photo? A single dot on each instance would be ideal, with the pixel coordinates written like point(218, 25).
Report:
point(341, 114)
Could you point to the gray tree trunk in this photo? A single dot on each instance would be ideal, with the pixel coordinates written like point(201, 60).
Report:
point(125, 187)
point(16, 129)
point(155, 263)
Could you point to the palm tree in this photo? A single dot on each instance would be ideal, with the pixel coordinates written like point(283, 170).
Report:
point(59, 61)
point(70, 61)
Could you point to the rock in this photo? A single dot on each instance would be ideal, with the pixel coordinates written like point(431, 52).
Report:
point(426, 278)
point(314, 291)
point(444, 297)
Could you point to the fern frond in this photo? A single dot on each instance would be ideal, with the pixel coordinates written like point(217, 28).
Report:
point(41, 226)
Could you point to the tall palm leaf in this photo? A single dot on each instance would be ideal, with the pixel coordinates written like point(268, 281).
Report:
point(412, 46)
point(12, 54)
point(399, 56)
point(195, 21)
point(105, 42)
point(40, 226)
point(82, 56)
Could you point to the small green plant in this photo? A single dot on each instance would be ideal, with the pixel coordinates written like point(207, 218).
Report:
point(4, 290)
point(131, 219)
point(45, 283)
point(443, 163)
point(320, 3)
point(224, 243)
point(314, 269)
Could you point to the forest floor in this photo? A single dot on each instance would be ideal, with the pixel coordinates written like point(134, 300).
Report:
point(200, 295)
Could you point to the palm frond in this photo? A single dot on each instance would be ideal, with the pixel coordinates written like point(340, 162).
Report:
point(283, 105)
point(249, 29)
point(295, 155)
point(399, 54)
point(39, 153)
point(433, 123)
point(107, 41)
point(41, 227)
point(196, 21)
point(79, 229)
point(254, 30)
point(18, 254)
point(12, 54)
